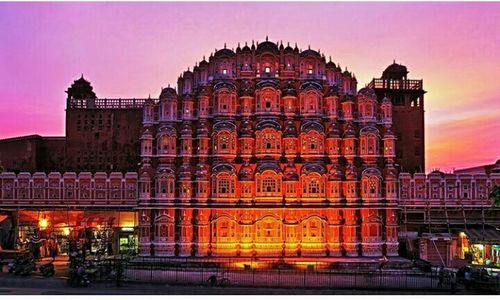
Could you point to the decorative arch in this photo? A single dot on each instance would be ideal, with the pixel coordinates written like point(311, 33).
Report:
point(313, 181)
point(369, 141)
point(269, 229)
point(371, 183)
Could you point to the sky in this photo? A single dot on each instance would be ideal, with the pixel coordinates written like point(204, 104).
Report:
point(133, 49)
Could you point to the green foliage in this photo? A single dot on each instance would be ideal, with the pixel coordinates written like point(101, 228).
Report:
point(495, 195)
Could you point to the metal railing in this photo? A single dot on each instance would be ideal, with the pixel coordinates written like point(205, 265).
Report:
point(280, 275)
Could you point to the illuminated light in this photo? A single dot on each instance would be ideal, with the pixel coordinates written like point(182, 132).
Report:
point(66, 231)
point(98, 227)
point(43, 224)
point(127, 229)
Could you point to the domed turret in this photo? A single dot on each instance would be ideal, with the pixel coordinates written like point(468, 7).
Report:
point(202, 129)
point(202, 172)
point(289, 89)
point(186, 129)
point(267, 46)
point(349, 131)
point(351, 173)
point(168, 93)
point(333, 131)
point(290, 129)
point(367, 93)
point(246, 172)
point(185, 172)
point(335, 173)
point(290, 172)
point(246, 129)
point(81, 89)
point(395, 71)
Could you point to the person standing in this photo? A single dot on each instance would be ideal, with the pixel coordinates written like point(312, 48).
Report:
point(440, 276)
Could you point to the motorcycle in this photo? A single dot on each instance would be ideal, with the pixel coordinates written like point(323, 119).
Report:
point(47, 269)
point(25, 268)
point(78, 277)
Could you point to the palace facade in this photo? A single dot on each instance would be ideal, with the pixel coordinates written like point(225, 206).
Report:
point(268, 151)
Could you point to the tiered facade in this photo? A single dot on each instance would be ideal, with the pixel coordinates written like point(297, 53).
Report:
point(267, 151)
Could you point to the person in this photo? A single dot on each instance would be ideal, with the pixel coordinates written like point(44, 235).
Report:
point(382, 262)
point(440, 276)
point(467, 278)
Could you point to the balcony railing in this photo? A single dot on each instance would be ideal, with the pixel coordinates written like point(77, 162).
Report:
point(394, 84)
point(108, 103)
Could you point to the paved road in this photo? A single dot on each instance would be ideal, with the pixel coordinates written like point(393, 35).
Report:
point(11, 285)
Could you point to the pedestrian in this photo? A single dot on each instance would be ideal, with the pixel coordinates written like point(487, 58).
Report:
point(467, 278)
point(382, 263)
point(440, 276)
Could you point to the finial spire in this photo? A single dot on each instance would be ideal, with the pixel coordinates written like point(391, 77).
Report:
point(224, 45)
point(267, 39)
point(330, 58)
point(394, 61)
point(309, 47)
point(246, 44)
point(203, 57)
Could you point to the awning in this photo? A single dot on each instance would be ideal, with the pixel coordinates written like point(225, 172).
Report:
point(3, 218)
point(489, 235)
point(97, 221)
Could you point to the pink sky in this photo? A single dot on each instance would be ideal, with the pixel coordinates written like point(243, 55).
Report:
point(133, 49)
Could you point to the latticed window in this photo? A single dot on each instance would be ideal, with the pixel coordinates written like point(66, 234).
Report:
point(313, 187)
point(223, 186)
point(269, 185)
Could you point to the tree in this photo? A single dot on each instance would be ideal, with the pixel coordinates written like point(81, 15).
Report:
point(495, 195)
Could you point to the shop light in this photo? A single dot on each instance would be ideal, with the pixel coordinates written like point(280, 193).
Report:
point(43, 224)
point(66, 231)
point(127, 229)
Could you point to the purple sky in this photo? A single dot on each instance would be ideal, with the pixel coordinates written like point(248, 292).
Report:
point(133, 49)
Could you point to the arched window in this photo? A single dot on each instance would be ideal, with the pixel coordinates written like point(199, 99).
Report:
point(268, 230)
point(371, 184)
point(268, 184)
point(225, 142)
point(313, 186)
point(313, 230)
point(268, 141)
point(224, 230)
point(224, 185)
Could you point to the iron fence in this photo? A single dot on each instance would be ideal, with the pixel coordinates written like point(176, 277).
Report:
point(275, 275)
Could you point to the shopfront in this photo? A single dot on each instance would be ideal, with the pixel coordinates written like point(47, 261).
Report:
point(98, 232)
point(481, 246)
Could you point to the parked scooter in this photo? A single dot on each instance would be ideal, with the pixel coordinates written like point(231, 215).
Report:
point(25, 268)
point(47, 269)
point(78, 277)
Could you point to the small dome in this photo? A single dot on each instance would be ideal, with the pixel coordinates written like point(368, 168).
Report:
point(168, 93)
point(367, 93)
point(351, 173)
point(288, 49)
point(224, 52)
point(246, 172)
point(246, 48)
point(268, 165)
point(313, 167)
point(267, 47)
point(290, 130)
point(246, 129)
point(185, 173)
point(290, 172)
point(333, 91)
point(388, 134)
point(349, 132)
point(246, 88)
point(310, 52)
point(391, 173)
point(81, 89)
point(395, 71)
point(202, 129)
point(335, 173)
point(202, 172)
point(333, 131)
point(331, 65)
point(186, 129)
point(289, 89)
